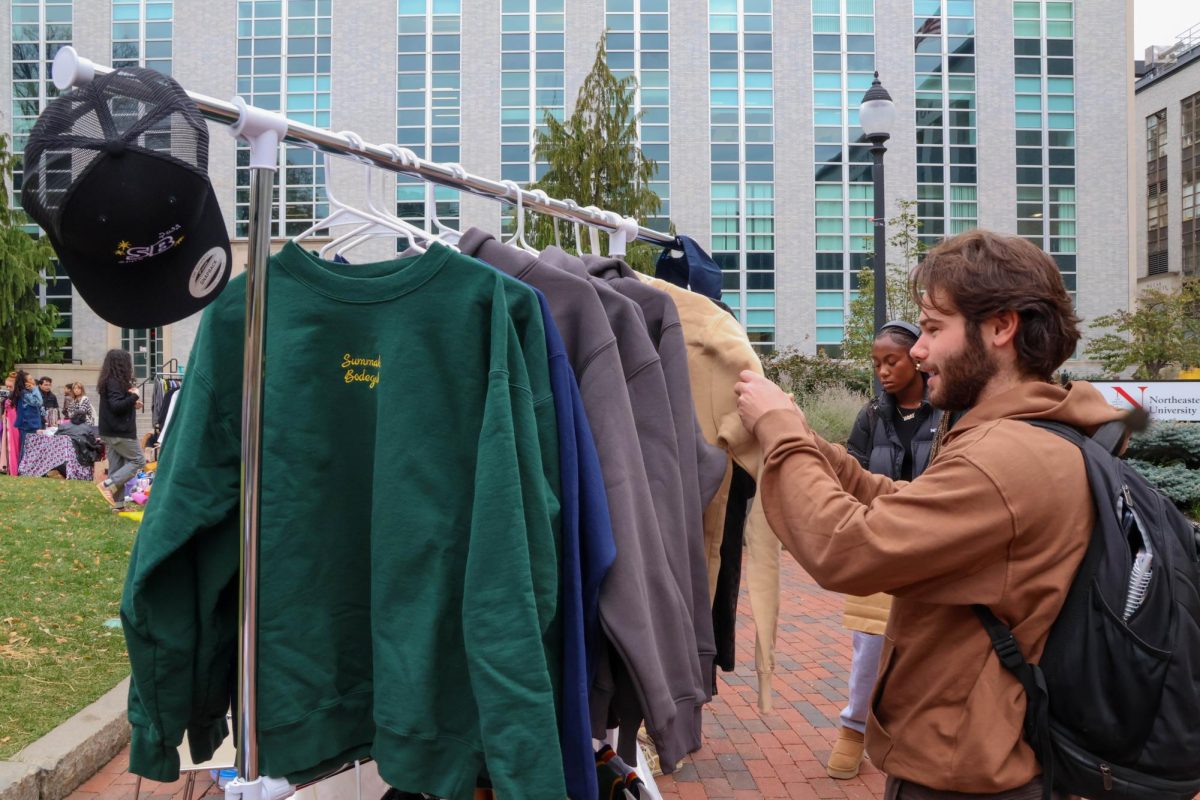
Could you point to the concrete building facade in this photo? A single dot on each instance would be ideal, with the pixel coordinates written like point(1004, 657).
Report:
point(1165, 135)
point(1006, 113)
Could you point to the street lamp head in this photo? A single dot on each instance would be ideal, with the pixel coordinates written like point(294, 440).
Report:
point(877, 112)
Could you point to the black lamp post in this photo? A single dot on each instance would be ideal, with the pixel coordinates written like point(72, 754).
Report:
point(875, 116)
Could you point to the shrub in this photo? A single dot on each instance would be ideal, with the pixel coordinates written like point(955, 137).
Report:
point(1167, 443)
point(832, 412)
point(1176, 481)
point(806, 376)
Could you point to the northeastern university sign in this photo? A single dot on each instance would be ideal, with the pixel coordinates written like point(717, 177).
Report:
point(1165, 400)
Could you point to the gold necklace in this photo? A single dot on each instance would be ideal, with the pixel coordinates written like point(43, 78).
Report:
point(909, 416)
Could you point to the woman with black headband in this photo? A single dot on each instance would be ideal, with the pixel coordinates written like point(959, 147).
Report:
point(894, 435)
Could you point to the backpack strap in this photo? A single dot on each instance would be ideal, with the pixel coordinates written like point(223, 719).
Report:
point(1110, 435)
point(1037, 697)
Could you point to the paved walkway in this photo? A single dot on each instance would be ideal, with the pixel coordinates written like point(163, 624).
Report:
point(746, 754)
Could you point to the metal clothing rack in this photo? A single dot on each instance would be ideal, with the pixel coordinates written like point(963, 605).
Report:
point(264, 130)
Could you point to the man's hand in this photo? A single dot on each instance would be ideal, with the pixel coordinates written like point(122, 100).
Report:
point(138, 405)
point(756, 396)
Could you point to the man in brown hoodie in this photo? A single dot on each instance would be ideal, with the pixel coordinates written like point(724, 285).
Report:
point(1002, 517)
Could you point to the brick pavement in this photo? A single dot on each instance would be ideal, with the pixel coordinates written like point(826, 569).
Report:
point(781, 754)
point(746, 754)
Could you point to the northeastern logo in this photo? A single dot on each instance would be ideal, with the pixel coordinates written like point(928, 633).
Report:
point(130, 253)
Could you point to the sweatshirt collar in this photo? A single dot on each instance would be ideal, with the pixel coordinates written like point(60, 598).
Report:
point(362, 283)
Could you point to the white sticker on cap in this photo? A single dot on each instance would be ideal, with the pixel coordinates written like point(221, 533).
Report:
point(208, 273)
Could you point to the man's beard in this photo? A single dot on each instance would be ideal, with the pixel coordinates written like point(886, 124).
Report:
point(962, 377)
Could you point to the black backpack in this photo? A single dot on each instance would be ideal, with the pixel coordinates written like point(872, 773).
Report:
point(1113, 708)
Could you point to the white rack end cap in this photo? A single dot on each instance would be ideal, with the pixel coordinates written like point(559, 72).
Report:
point(263, 130)
point(71, 69)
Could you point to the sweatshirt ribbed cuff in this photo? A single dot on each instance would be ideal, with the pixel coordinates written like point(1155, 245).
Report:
point(151, 757)
point(765, 703)
point(205, 738)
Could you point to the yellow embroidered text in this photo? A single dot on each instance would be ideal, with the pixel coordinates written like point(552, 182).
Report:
point(367, 371)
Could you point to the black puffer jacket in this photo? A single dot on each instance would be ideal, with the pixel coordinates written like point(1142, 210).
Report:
point(876, 445)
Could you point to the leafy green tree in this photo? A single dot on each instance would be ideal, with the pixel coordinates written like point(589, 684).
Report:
point(594, 158)
point(26, 326)
point(904, 239)
point(1160, 336)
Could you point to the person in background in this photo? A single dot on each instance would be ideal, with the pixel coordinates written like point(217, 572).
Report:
point(8, 424)
point(119, 404)
point(76, 401)
point(28, 401)
point(49, 400)
point(893, 436)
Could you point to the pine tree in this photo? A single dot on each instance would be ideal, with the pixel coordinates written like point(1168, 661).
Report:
point(594, 158)
point(26, 326)
point(904, 237)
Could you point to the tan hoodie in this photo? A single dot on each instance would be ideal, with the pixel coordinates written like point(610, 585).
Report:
point(1001, 517)
point(717, 352)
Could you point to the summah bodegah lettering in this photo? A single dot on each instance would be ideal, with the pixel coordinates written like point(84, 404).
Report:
point(363, 374)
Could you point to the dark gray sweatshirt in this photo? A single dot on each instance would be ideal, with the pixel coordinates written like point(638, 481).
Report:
point(701, 466)
point(645, 615)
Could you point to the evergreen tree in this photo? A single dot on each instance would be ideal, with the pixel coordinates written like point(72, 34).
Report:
point(594, 158)
point(26, 326)
point(1159, 337)
point(903, 237)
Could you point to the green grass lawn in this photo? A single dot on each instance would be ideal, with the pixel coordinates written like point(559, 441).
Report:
point(63, 556)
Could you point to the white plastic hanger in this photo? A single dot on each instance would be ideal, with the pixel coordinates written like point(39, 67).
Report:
point(593, 231)
point(578, 237)
point(538, 194)
point(443, 231)
point(342, 214)
point(418, 239)
point(518, 237)
point(376, 221)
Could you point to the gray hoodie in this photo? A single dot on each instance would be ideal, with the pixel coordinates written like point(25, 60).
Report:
point(701, 465)
point(646, 617)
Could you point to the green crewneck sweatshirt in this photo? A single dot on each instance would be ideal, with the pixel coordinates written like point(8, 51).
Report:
point(408, 579)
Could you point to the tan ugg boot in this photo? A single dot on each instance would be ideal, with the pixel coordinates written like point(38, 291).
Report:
point(847, 755)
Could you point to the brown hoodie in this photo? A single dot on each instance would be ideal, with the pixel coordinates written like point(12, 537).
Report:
point(1001, 517)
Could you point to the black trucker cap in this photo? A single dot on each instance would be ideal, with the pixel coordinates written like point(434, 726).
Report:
point(116, 172)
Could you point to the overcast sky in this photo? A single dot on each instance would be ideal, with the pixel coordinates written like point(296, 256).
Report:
point(1161, 21)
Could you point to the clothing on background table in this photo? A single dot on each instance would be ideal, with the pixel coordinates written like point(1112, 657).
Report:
point(409, 612)
point(641, 610)
point(86, 440)
point(718, 351)
point(44, 453)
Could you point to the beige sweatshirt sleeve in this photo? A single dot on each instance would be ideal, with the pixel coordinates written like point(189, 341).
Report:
point(729, 353)
point(718, 351)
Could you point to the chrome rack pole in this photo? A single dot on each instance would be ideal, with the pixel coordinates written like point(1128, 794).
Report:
point(81, 70)
point(263, 131)
point(261, 187)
